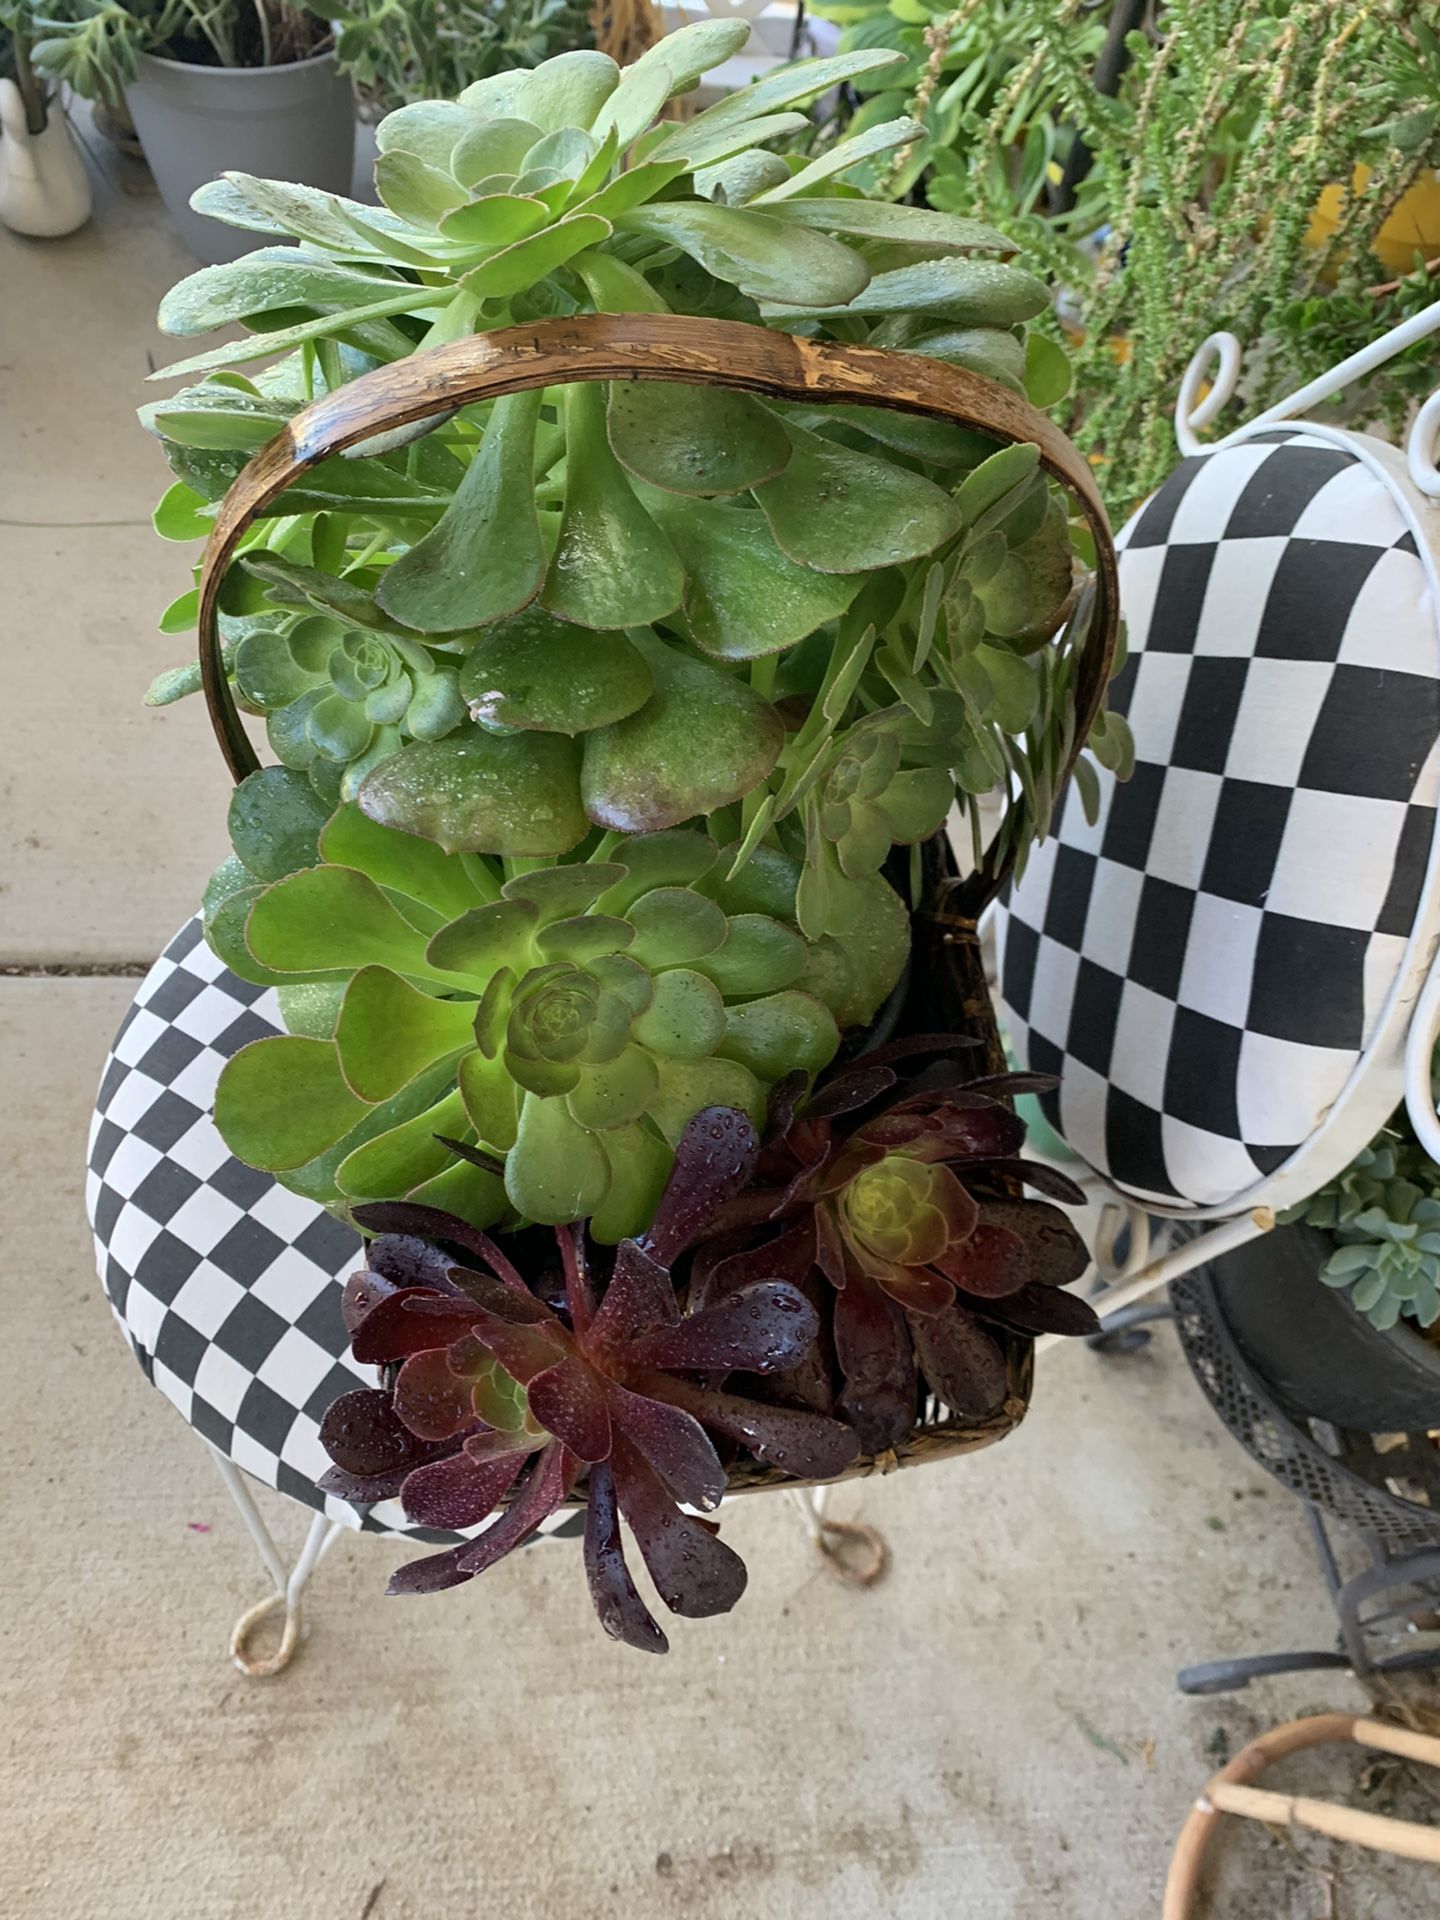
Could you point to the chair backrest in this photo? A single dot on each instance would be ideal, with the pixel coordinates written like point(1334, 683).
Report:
point(1221, 968)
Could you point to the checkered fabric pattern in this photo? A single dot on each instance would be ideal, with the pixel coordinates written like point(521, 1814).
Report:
point(226, 1285)
point(1204, 965)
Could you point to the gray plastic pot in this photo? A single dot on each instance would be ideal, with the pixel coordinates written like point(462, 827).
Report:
point(294, 122)
point(1315, 1347)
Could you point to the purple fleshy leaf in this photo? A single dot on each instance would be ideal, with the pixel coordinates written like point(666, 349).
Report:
point(407, 1261)
point(364, 1489)
point(784, 1103)
point(459, 1492)
point(1056, 1253)
point(433, 1401)
point(640, 1295)
point(362, 1291)
point(523, 1351)
point(475, 1155)
point(1010, 1084)
point(551, 1478)
point(916, 1289)
point(875, 1354)
point(989, 1265)
point(812, 1446)
point(622, 1613)
point(961, 1361)
point(579, 1293)
point(912, 1044)
point(1042, 1177)
point(1041, 1309)
point(498, 1297)
point(953, 1133)
point(695, 1573)
point(675, 1444)
point(568, 1400)
point(850, 1091)
point(786, 1256)
point(432, 1574)
point(433, 1223)
point(363, 1434)
point(410, 1322)
point(759, 1329)
point(715, 1158)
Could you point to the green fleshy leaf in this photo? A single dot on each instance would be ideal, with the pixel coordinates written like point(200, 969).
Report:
point(584, 936)
point(265, 346)
point(678, 858)
point(642, 92)
point(490, 1097)
point(490, 147)
point(557, 893)
point(267, 673)
point(989, 351)
point(845, 154)
point(282, 1101)
point(1048, 373)
point(1015, 688)
point(853, 976)
point(674, 927)
point(774, 1036)
point(938, 443)
point(795, 84)
point(613, 567)
point(686, 1086)
point(406, 1156)
point(967, 292)
point(388, 1033)
point(759, 956)
point(485, 557)
point(498, 220)
point(744, 597)
point(614, 1093)
point(478, 792)
point(764, 885)
point(338, 728)
point(556, 1171)
point(430, 129)
point(686, 1018)
point(229, 896)
point(700, 742)
point(260, 282)
point(517, 267)
point(989, 483)
point(485, 939)
point(435, 707)
point(692, 51)
point(710, 147)
point(323, 918)
point(694, 440)
point(756, 252)
point(567, 90)
point(876, 220)
point(742, 178)
point(844, 512)
point(466, 1191)
point(534, 671)
point(417, 193)
point(615, 288)
point(640, 1165)
point(275, 821)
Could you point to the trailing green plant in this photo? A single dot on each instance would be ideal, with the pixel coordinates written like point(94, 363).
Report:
point(397, 51)
point(1197, 213)
point(1384, 1213)
point(601, 711)
point(95, 46)
point(17, 63)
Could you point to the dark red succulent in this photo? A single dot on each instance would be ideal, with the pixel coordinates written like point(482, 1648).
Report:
point(871, 1183)
point(500, 1393)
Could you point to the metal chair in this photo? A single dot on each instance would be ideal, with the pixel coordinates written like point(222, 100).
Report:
point(1232, 969)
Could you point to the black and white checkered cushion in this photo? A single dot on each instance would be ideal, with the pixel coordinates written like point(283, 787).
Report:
point(1204, 966)
point(227, 1286)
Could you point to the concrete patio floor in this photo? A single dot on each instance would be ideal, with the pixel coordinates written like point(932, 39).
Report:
point(992, 1731)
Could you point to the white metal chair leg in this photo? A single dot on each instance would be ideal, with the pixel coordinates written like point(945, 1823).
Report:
point(1169, 1266)
point(289, 1587)
point(854, 1552)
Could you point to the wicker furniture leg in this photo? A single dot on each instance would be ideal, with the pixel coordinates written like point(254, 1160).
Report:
point(1232, 1790)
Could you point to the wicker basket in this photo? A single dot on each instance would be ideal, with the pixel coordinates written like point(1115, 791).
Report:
point(945, 986)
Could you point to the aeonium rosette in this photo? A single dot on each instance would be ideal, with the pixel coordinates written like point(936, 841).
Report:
point(890, 1196)
point(502, 1393)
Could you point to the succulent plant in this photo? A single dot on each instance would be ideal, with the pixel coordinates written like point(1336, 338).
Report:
point(493, 1382)
point(862, 1185)
point(1384, 1213)
point(570, 1019)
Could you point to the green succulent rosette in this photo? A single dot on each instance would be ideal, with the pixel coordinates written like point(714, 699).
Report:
point(568, 1020)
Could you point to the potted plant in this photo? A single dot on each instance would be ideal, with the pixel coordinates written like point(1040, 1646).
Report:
point(1361, 1349)
point(43, 187)
point(632, 1007)
point(209, 87)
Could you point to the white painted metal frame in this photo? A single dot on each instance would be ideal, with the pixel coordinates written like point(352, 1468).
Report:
point(1396, 1064)
point(289, 1586)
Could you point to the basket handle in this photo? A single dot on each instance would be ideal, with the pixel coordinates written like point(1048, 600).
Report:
point(673, 347)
